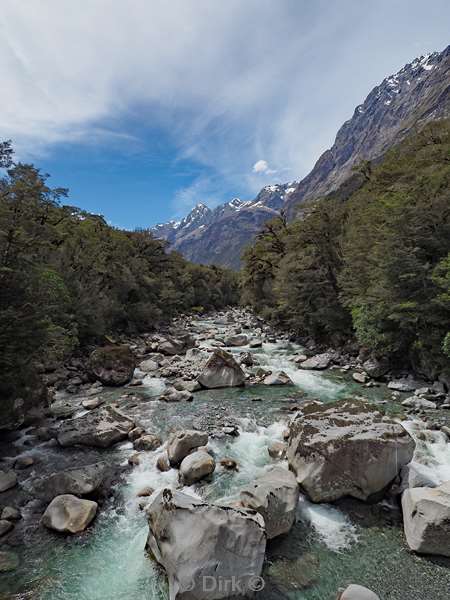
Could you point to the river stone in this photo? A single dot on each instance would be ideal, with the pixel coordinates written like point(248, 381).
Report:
point(112, 365)
point(8, 479)
point(101, 428)
point(274, 496)
point(91, 403)
point(179, 345)
point(23, 462)
point(148, 442)
point(221, 370)
point(69, 514)
point(173, 395)
point(346, 448)
point(404, 385)
point(5, 527)
point(9, 561)
point(149, 365)
point(80, 481)
point(236, 340)
point(360, 377)
point(162, 463)
point(181, 443)
point(196, 466)
point(9, 513)
point(419, 403)
point(278, 378)
point(357, 592)
point(376, 368)
point(426, 517)
point(199, 543)
point(255, 343)
point(277, 450)
point(317, 362)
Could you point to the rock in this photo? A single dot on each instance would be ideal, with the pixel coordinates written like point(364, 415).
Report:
point(9, 561)
point(63, 409)
point(91, 403)
point(80, 481)
point(181, 443)
point(426, 517)
point(277, 450)
point(446, 430)
point(69, 514)
point(300, 358)
point(148, 366)
point(274, 496)
point(8, 479)
point(112, 365)
point(278, 378)
point(163, 463)
point(145, 492)
point(231, 430)
point(23, 462)
point(135, 459)
point(5, 527)
point(101, 428)
point(317, 362)
point(403, 385)
point(229, 464)
point(360, 377)
point(148, 442)
point(357, 592)
point(178, 345)
point(196, 466)
point(255, 343)
point(221, 370)
point(9, 513)
point(183, 538)
point(246, 358)
point(376, 368)
point(173, 395)
point(136, 433)
point(419, 403)
point(347, 448)
point(236, 340)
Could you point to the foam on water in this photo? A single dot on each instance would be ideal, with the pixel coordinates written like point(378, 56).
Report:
point(432, 453)
point(333, 527)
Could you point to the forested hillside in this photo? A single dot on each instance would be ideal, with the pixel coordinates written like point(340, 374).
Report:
point(67, 278)
point(375, 265)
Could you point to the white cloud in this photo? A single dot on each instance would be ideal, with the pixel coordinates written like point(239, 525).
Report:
point(262, 166)
point(230, 81)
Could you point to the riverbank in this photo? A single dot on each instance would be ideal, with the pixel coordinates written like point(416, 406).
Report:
point(329, 546)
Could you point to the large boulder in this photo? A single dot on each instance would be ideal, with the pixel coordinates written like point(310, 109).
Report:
point(278, 378)
point(196, 466)
point(80, 481)
point(221, 370)
point(8, 479)
point(426, 518)
point(178, 345)
point(112, 365)
point(357, 592)
point(376, 368)
point(181, 443)
point(101, 428)
point(317, 362)
point(209, 552)
point(347, 448)
point(239, 339)
point(69, 514)
point(274, 496)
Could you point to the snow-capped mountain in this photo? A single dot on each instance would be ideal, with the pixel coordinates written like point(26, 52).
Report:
point(403, 102)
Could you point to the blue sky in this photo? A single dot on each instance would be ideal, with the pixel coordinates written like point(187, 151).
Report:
point(144, 108)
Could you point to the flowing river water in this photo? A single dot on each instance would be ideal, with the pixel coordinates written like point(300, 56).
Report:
point(328, 548)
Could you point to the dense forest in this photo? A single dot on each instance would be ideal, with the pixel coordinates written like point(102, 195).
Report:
point(68, 279)
point(371, 265)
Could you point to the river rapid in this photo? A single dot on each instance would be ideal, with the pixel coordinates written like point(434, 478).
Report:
point(329, 547)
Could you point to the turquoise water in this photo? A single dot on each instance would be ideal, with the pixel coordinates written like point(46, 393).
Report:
point(329, 547)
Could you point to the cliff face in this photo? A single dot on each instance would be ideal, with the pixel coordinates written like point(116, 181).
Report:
point(418, 93)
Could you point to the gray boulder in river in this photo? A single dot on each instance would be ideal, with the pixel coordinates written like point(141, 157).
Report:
point(208, 551)
point(112, 365)
point(357, 592)
point(317, 362)
point(221, 370)
point(274, 496)
point(347, 448)
point(196, 466)
point(69, 514)
point(80, 481)
point(101, 428)
point(181, 443)
point(426, 518)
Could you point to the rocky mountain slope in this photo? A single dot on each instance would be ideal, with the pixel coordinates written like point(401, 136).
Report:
point(418, 93)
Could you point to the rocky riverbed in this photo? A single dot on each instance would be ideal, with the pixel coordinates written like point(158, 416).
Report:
point(205, 419)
